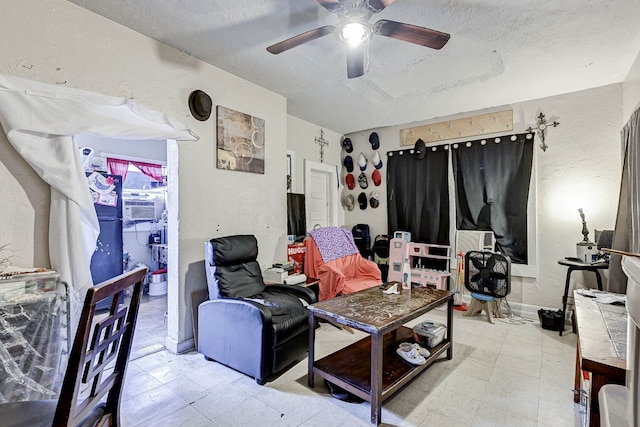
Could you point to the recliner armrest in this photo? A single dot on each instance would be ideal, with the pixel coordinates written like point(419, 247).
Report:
point(249, 308)
point(303, 292)
point(237, 333)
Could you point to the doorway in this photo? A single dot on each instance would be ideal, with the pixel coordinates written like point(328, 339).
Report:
point(144, 225)
point(321, 194)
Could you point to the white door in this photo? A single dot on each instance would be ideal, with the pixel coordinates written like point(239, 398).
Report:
point(321, 194)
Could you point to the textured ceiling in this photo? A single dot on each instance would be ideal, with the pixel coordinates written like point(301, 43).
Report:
point(499, 52)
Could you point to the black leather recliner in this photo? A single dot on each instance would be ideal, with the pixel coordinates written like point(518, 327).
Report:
point(256, 329)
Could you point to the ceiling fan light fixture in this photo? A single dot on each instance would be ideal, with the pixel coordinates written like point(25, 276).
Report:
point(354, 33)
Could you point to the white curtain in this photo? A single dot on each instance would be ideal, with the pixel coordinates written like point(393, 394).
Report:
point(626, 235)
point(40, 121)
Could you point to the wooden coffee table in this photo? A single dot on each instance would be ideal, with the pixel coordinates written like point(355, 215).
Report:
point(600, 350)
point(370, 368)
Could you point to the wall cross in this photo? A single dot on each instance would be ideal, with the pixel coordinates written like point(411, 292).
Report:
point(322, 143)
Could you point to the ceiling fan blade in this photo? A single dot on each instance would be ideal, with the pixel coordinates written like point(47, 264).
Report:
point(356, 56)
point(300, 39)
point(377, 5)
point(332, 5)
point(411, 33)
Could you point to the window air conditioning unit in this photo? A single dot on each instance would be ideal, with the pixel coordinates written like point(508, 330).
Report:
point(142, 210)
point(471, 240)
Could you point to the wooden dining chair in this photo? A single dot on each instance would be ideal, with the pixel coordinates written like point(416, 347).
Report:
point(98, 361)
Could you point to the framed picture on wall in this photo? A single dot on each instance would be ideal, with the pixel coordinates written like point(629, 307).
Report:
point(241, 140)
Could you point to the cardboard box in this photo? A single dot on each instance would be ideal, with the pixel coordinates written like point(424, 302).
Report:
point(295, 255)
point(274, 275)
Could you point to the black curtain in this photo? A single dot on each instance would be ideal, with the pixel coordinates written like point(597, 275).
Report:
point(418, 195)
point(492, 189)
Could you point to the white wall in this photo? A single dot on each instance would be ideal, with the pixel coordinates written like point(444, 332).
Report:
point(581, 168)
point(24, 212)
point(301, 139)
point(57, 42)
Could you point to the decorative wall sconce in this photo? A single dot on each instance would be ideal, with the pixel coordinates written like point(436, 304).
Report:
point(542, 129)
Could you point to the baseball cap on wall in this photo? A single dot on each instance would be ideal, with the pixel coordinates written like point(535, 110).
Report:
point(376, 177)
point(374, 199)
point(362, 161)
point(350, 180)
point(348, 163)
point(374, 140)
point(347, 145)
point(362, 180)
point(377, 163)
point(349, 202)
point(362, 200)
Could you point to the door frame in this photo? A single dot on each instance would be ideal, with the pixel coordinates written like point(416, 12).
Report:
point(331, 171)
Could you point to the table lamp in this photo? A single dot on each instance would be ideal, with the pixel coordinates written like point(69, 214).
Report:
point(586, 250)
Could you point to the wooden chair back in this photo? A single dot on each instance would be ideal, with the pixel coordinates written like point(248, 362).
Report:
point(98, 359)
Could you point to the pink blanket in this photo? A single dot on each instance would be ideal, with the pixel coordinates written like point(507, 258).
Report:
point(340, 276)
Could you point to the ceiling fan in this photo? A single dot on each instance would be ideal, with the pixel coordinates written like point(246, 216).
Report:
point(355, 30)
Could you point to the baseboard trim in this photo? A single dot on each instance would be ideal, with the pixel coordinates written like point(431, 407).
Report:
point(176, 347)
point(523, 310)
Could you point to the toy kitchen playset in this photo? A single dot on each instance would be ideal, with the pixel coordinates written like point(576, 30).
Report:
point(429, 263)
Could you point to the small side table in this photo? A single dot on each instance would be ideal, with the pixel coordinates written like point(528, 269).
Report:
point(579, 266)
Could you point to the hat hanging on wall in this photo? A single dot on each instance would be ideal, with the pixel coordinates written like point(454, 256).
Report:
point(347, 145)
point(420, 149)
point(349, 202)
point(374, 140)
point(362, 200)
point(374, 199)
point(362, 180)
point(376, 177)
point(362, 161)
point(377, 163)
point(350, 180)
point(200, 105)
point(348, 163)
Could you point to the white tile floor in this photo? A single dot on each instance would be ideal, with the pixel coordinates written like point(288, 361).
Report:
point(151, 327)
point(512, 373)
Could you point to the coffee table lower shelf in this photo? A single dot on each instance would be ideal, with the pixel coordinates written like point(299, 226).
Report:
point(350, 367)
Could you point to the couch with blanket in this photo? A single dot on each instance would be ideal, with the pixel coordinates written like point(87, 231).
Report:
point(333, 257)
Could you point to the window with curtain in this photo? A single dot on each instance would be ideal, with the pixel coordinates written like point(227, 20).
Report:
point(492, 178)
point(418, 195)
point(121, 167)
